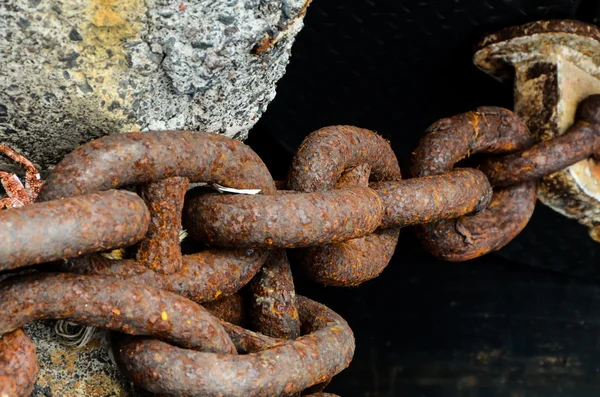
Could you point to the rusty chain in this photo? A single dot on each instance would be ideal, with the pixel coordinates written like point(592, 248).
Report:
point(226, 321)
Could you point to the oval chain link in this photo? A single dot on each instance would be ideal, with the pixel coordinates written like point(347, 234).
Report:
point(342, 214)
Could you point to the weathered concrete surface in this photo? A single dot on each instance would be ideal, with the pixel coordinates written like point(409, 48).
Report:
point(70, 371)
point(74, 70)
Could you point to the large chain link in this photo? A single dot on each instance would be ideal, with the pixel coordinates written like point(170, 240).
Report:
point(182, 318)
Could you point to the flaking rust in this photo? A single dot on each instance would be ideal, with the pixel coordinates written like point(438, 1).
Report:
point(230, 309)
point(340, 157)
point(330, 151)
point(160, 250)
point(580, 142)
point(203, 277)
point(433, 198)
point(282, 221)
point(326, 348)
point(137, 158)
point(112, 304)
point(555, 65)
point(18, 364)
point(491, 131)
point(273, 305)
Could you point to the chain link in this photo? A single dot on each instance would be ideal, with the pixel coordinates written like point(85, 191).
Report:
point(184, 319)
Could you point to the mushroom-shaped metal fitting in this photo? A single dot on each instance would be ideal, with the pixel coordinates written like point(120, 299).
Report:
point(555, 65)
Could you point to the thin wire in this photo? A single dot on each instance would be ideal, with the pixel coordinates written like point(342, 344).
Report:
point(81, 336)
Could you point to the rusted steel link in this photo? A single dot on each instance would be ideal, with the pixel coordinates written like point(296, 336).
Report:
point(580, 142)
point(336, 157)
point(325, 350)
point(357, 176)
point(545, 158)
point(354, 261)
point(247, 341)
point(350, 262)
point(273, 302)
point(112, 304)
point(44, 232)
point(326, 153)
point(230, 309)
point(433, 198)
point(488, 130)
point(282, 221)
point(135, 158)
point(472, 236)
point(18, 365)
point(203, 277)
point(161, 250)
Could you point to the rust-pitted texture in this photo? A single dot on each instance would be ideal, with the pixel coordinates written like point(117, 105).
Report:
point(433, 198)
point(469, 237)
point(203, 277)
point(342, 157)
point(545, 158)
point(18, 365)
point(327, 153)
point(487, 130)
point(350, 262)
point(230, 309)
point(357, 176)
point(247, 341)
point(553, 67)
point(283, 220)
point(562, 31)
point(44, 232)
point(326, 349)
point(112, 304)
point(136, 158)
point(273, 301)
point(354, 261)
point(160, 250)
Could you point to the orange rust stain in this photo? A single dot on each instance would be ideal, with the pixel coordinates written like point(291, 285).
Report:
point(268, 42)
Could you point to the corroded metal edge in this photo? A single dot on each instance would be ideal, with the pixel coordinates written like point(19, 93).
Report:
point(555, 65)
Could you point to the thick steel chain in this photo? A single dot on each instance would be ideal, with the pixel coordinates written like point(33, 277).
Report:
point(181, 318)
